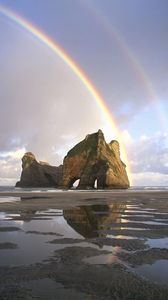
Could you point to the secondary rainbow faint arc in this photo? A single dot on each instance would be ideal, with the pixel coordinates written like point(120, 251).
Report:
point(140, 72)
point(74, 67)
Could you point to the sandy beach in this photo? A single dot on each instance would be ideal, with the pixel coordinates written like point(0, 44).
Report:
point(84, 245)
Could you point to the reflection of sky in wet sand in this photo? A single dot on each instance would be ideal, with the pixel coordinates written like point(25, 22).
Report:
point(144, 222)
point(121, 236)
point(6, 199)
point(157, 272)
point(158, 243)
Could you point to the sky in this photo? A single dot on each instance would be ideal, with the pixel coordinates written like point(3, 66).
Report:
point(122, 46)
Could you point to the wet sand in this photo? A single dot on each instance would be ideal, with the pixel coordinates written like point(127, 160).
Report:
point(65, 199)
point(84, 245)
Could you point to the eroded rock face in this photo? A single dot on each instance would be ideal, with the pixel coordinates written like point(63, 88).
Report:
point(89, 161)
point(93, 159)
point(39, 174)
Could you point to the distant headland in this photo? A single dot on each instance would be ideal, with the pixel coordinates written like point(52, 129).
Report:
point(90, 160)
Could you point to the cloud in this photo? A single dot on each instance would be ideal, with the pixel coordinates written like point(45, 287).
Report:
point(150, 179)
point(148, 157)
point(43, 104)
point(10, 163)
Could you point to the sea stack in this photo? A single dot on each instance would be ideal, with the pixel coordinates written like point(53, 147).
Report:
point(39, 174)
point(89, 161)
point(93, 159)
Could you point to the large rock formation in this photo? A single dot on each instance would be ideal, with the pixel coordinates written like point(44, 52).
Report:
point(89, 161)
point(93, 159)
point(39, 174)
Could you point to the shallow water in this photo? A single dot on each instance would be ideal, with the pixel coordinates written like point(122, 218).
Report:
point(83, 226)
point(32, 247)
point(158, 243)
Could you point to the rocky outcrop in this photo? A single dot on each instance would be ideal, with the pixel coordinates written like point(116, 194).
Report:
point(93, 159)
point(89, 161)
point(39, 174)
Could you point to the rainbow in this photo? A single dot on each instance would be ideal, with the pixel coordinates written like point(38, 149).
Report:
point(53, 46)
point(131, 58)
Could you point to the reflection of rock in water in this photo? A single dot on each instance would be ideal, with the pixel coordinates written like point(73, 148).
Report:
point(87, 220)
point(27, 215)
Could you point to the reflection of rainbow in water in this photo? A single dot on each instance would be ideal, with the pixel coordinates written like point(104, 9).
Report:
point(139, 70)
point(52, 45)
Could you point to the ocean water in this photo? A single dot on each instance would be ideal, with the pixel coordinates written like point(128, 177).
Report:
point(133, 188)
point(16, 189)
point(150, 188)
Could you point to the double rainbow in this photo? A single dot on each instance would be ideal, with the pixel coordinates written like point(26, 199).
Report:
point(53, 46)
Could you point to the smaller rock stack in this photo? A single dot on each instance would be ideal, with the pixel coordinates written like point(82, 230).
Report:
point(39, 174)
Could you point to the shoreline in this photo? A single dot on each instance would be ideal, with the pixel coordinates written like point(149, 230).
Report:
point(68, 199)
point(116, 192)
